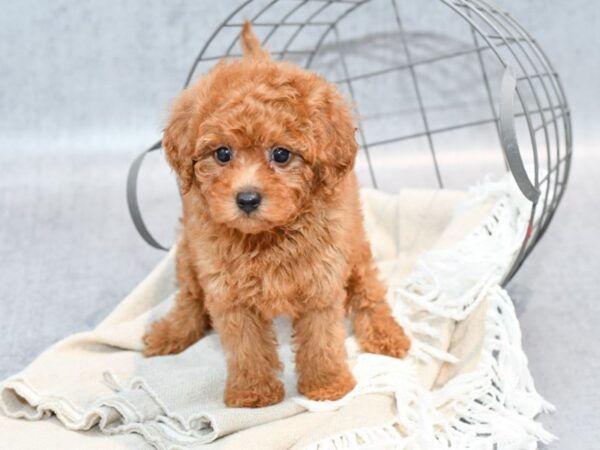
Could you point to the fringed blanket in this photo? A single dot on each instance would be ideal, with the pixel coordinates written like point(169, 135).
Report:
point(465, 383)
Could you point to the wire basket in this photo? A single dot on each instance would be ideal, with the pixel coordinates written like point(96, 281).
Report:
point(436, 107)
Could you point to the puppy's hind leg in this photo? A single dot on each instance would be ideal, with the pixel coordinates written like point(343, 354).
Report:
point(375, 329)
point(187, 322)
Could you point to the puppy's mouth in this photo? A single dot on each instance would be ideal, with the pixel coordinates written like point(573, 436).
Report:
point(250, 223)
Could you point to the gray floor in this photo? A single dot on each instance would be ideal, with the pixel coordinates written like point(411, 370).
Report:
point(556, 293)
point(69, 253)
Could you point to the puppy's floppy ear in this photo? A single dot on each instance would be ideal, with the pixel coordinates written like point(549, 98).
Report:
point(179, 140)
point(337, 148)
point(251, 47)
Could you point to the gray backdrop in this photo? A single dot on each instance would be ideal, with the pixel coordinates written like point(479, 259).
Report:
point(85, 85)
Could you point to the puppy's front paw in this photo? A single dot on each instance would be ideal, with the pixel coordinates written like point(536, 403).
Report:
point(335, 389)
point(386, 338)
point(165, 339)
point(266, 393)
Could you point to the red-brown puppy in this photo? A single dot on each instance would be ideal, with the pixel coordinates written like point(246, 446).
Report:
point(272, 226)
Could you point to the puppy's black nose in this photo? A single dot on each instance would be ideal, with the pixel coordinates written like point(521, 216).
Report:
point(248, 201)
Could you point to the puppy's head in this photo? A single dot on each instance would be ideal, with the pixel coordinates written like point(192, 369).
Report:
point(259, 141)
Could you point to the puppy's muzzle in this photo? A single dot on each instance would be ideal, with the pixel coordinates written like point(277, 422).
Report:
point(248, 201)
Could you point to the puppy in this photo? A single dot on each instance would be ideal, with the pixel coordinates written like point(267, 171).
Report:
point(264, 154)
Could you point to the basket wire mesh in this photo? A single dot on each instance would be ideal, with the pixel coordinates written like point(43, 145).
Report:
point(479, 93)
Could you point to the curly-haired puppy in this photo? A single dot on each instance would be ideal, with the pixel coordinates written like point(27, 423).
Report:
point(272, 226)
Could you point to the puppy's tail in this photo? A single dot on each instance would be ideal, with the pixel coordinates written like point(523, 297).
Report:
point(250, 44)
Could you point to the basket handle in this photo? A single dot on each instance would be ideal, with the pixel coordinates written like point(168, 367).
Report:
point(132, 199)
point(508, 136)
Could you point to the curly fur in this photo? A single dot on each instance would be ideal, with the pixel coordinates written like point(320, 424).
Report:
point(303, 253)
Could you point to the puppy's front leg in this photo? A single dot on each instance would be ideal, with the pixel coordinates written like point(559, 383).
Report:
point(321, 364)
point(253, 364)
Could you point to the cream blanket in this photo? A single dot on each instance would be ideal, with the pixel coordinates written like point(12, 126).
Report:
point(465, 383)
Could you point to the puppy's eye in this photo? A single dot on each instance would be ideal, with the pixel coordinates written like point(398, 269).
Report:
point(223, 155)
point(281, 156)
